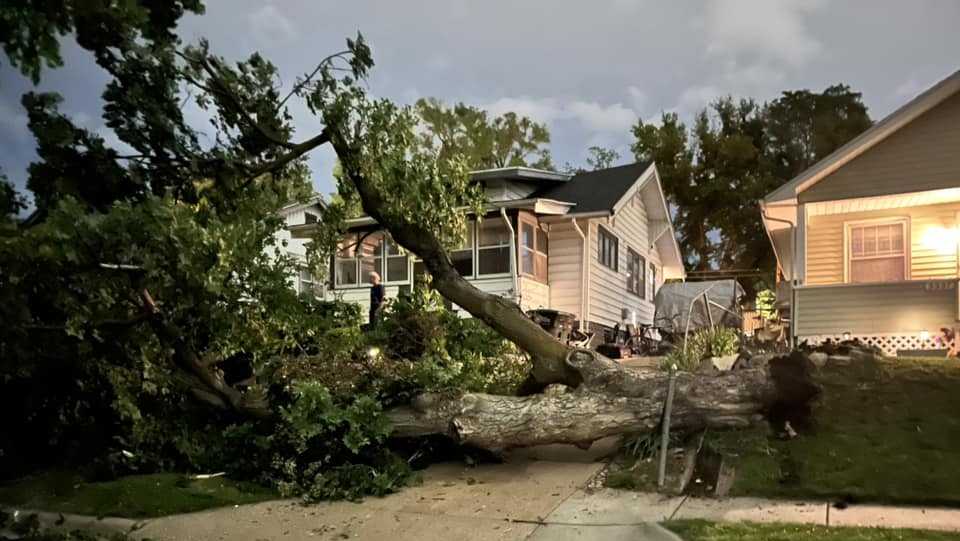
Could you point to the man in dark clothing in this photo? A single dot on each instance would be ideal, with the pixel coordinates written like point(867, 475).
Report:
point(377, 296)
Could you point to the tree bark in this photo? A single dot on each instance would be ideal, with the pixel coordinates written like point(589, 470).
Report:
point(612, 403)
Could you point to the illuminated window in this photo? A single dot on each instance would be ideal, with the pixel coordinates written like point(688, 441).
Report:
point(877, 251)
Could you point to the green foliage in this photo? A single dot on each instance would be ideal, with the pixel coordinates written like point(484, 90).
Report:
point(702, 344)
point(486, 143)
point(766, 303)
point(733, 154)
point(601, 158)
point(142, 276)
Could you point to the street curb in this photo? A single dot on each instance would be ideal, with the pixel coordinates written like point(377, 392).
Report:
point(659, 533)
point(69, 522)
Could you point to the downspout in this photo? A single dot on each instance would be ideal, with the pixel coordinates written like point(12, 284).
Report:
point(584, 281)
point(793, 271)
point(513, 254)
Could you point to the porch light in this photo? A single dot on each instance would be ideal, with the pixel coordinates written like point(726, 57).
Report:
point(846, 336)
point(373, 352)
point(924, 335)
point(943, 240)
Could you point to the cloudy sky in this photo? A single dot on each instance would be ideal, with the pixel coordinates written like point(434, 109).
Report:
point(588, 69)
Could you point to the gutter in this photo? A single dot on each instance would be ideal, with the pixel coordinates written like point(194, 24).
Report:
point(793, 271)
point(513, 254)
point(585, 282)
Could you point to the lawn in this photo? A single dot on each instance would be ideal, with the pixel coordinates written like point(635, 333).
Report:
point(701, 530)
point(135, 496)
point(883, 432)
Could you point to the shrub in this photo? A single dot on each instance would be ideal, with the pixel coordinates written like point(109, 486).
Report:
point(702, 344)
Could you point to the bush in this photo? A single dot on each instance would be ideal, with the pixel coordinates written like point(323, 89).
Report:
point(703, 344)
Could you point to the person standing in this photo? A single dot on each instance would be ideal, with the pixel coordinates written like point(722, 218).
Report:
point(377, 296)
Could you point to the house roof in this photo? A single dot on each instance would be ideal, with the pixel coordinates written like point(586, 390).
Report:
point(866, 140)
point(595, 191)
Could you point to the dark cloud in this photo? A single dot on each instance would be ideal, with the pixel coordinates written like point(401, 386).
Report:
point(586, 68)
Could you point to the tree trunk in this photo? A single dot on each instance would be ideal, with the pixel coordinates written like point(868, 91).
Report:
point(614, 402)
point(504, 316)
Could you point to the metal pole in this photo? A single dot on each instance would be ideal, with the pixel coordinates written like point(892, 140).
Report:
point(665, 431)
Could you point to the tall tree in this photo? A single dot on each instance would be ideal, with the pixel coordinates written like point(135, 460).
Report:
point(501, 141)
point(601, 158)
point(737, 152)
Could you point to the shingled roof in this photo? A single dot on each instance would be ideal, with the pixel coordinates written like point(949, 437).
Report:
point(595, 191)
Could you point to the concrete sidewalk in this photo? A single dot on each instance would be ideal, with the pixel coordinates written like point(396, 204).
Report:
point(512, 501)
point(518, 500)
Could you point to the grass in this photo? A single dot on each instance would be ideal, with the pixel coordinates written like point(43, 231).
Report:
point(701, 530)
point(883, 432)
point(134, 496)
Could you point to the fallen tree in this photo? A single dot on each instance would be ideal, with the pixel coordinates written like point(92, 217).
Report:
point(612, 401)
point(195, 221)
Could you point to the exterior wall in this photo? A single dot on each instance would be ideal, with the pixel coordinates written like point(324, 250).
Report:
point(565, 267)
point(296, 248)
point(608, 288)
point(901, 309)
point(825, 243)
point(923, 155)
point(533, 294)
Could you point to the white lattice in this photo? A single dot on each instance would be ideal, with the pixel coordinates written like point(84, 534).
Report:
point(888, 343)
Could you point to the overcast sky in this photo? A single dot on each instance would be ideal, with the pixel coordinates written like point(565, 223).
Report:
point(588, 69)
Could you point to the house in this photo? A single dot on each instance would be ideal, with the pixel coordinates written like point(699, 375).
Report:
point(594, 244)
point(307, 212)
point(867, 239)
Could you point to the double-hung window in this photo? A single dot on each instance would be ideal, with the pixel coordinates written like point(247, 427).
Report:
point(493, 247)
point(462, 257)
point(345, 264)
point(877, 251)
point(636, 273)
point(533, 249)
point(609, 249)
point(653, 281)
point(398, 268)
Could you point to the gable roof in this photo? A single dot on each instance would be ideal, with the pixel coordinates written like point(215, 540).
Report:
point(896, 120)
point(595, 191)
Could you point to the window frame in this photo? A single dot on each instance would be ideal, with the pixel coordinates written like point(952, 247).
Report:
point(653, 280)
point(478, 248)
point(604, 232)
point(849, 226)
point(636, 280)
point(470, 247)
point(387, 240)
point(538, 253)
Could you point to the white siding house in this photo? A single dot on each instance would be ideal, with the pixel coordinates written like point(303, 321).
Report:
point(538, 244)
point(295, 214)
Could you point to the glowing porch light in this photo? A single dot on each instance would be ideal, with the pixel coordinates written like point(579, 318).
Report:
point(846, 336)
point(943, 240)
point(373, 352)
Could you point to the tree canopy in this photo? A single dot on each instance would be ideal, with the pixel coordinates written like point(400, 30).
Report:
point(483, 140)
point(735, 152)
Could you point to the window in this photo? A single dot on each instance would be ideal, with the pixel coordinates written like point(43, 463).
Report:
point(370, 254)
point(397, 267)
point(636, 273)
point(493, 247)
point(653, 281)
point(533, 249)
point(308, 284)
point(345, 264)
point(309, 218)
point(609, 250)
point(462, 257)
point(877, 251)
point(359, 254)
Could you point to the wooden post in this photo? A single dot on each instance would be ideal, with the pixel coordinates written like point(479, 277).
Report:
point(665, 432)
